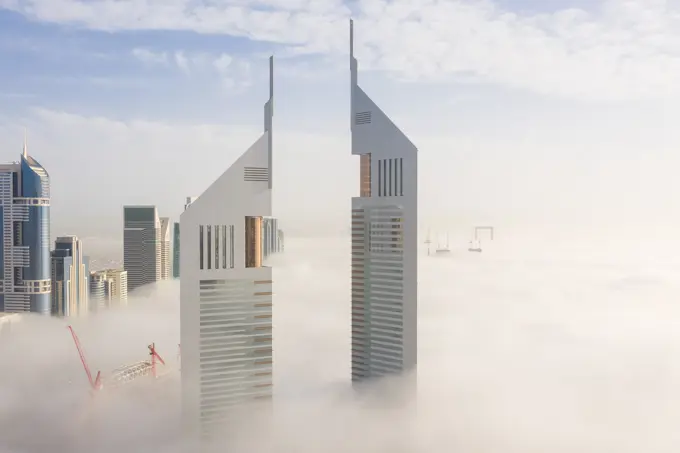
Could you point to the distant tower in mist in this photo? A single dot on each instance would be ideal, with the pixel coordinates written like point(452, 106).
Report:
point(176, 242)
point(226, 292)
point(70, 275)
point(166, 262)
point(141, 245)
point(25, 275)
point(384, 241)
point(108, 288)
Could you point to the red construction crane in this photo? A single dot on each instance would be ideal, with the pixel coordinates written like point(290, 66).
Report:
point(154, 356)
point(96, 384)
point(124, 374)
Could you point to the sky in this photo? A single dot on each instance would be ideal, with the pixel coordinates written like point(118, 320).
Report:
point(521, 350)
point(530, 113)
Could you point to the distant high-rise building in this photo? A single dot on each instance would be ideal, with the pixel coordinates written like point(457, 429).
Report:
point(97, 286)
point(175, 250)
point(176, 242)
point(108, 288)
point(165, 248)
point(25, 277)
point(270, 236)
point(226, 292)
point(70, 274)
point(281, 242)
point(141, 245)
point(384, 241)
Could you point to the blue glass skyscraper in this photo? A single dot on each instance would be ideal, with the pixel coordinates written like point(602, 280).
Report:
point(25, 275)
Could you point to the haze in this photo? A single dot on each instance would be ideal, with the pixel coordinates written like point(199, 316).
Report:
point(526, 113)
point(518, 353)
point(552, 121)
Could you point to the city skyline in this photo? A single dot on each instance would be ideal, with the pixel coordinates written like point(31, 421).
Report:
point(551, 123)
point(486, 125)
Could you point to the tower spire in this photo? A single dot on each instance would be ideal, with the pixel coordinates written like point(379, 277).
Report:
point(353, 65)
point(24, 152)
point(268, 118)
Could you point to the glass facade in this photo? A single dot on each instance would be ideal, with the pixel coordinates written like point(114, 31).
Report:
point(25, 196)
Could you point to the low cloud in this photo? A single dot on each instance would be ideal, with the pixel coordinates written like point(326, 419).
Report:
point(150, 57)
point(518, 353)
point(235, 73)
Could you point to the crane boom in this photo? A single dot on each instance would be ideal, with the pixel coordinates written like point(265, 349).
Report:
point(93, 383)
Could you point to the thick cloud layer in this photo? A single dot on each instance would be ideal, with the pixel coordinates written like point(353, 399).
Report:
point(522, 349)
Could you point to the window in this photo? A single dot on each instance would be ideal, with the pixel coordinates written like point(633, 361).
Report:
point(389, 180)
point(200, 246)
point(384, 181)
point(224, 246)
point(217, 247)
point(380, 177)
point(231, 246)
point(401, 176)
point(209, 248)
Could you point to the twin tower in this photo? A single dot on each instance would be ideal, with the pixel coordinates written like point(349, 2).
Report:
point(226, 290)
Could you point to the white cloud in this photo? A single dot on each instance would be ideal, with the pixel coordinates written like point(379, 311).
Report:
point(150, 57)
point(182, 61)
point(234, 73)
point(618, 50)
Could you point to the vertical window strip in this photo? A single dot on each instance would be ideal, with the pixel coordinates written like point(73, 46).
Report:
point(217, 247)
point(389, 180)
point(200, 246)
point(401, 176)
point(231, 246)
point(209, 247)
point(224, 246)
point(384, 177)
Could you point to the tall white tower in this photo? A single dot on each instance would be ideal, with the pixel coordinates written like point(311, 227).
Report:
point(384, 241)
point(226, 292)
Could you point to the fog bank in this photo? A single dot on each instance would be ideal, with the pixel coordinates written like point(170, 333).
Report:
point(523, 349)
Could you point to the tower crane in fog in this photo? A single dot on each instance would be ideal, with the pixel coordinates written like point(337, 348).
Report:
point(122, 375)
point(428, 241)
point(475, 244)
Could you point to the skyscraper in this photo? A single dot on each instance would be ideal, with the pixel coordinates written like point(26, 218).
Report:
point(384, 241)
point(175, 250)
point(70, 274)
point(25, 277)
point(108, 288)
point(226, 292)
point(176, 242)
point(165, 248)
point(141, 245)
